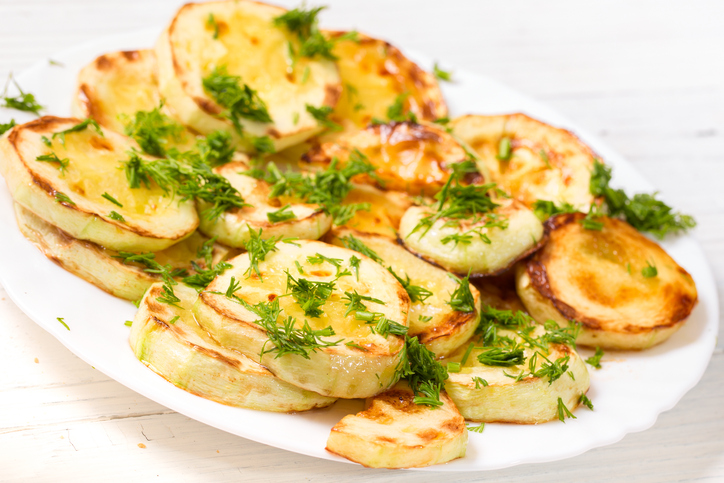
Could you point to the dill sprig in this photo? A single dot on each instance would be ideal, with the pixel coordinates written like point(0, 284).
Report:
point(310, 295)
point(304, 24)
point(285, 338)
point(595, 360)
point(53, 158)
point(544, 209)
point(644, 211)
point(24, 101)
point(166, 272)
point(423, 372)
point(415, 292)
point(153, 130)
point(462, 300)
point(327, 188)
point(81, 126)
point(258, 248)
point(5, 127)
point(239, 100)
point(321, 115)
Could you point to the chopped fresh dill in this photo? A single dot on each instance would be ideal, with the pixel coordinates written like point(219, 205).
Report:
point(53, 158)
point(644, 211)
point(563, 411)
point(81, 126)
point(477, 429)
point(239, 100)
point(211, 23)
point(310, 295)
point(5, 127)
point(595, 360)
point(62, 321)
point(441, 74)
point(112, 199)
point(153, 130)
point(114, 215)
point(584, 401)
point(63, 198)
point(284, 213)
point(544, 209)
point(462, 300)
point(24, 101)
point(649, 271)
point(321, 115)
point(416, 292)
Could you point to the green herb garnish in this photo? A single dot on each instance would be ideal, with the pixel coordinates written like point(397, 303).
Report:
point(477, 429)
point(60, 319)
point(505, 149)
point(153, 131)
point(595, 360)
point(563, 411)
point(239, 100)
point(441, 74)
point(63, 198)
point(462, 300)
point(5, 127)
point(321, 114)
point(53, 158)
point(24, 101)
point(644, 211)
point(282, 214)
point(114, 215)
point(649, 271)
point(211, 23)
point(112, 199)
point(81, 126)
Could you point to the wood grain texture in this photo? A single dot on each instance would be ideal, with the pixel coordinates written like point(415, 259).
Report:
point(646, 76)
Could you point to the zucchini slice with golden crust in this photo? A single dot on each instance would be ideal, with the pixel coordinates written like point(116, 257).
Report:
point(170, 342)
point(69, 192)
point(624, 289)
point(530, 159)
point(117, 85)
point(432, 320)
point(374, 74)
point(495, 394)
point(98, 265)
point(483, 247)
point(311, 285)
point(394, 432)
point(243, 40)
point(233, 226)
point(412, 157)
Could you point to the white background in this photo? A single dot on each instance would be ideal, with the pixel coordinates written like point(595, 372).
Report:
point(648, 77)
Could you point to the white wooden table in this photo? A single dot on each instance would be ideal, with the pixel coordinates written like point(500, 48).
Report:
point(648, 76)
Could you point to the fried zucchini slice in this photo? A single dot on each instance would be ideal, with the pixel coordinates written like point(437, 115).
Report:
point(358, 363)
point(530, 159)
point(394, 432)
point(412, 157)
point(116, 85)
point(243, 39)
point(525, 393)
point(481, 247)
point(233, 227)
point(171, 343)
point(69, 193)
point(386, 209)
point(374, 74)
point(432, 320)
point(624, 289)
point(98, 265)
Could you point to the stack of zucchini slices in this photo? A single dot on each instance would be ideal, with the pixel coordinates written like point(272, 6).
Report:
point(298, 221)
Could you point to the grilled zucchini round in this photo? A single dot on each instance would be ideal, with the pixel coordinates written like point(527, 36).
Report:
point(490, 394)
point(412, 157)
point(374, 74)
point(233, 226)
point(386, 209)
point(99, 266)
point(431, 319)
point(394, 432)
point(359, 363)
point(624, 289)
point(530, 159)
point(71, 196)
point(482, 250)
point(170, 342)
point(243, 40)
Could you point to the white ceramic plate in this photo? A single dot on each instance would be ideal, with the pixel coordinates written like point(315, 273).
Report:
point(629, 392)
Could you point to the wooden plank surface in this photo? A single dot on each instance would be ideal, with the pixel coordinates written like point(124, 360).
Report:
point(647, 76)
